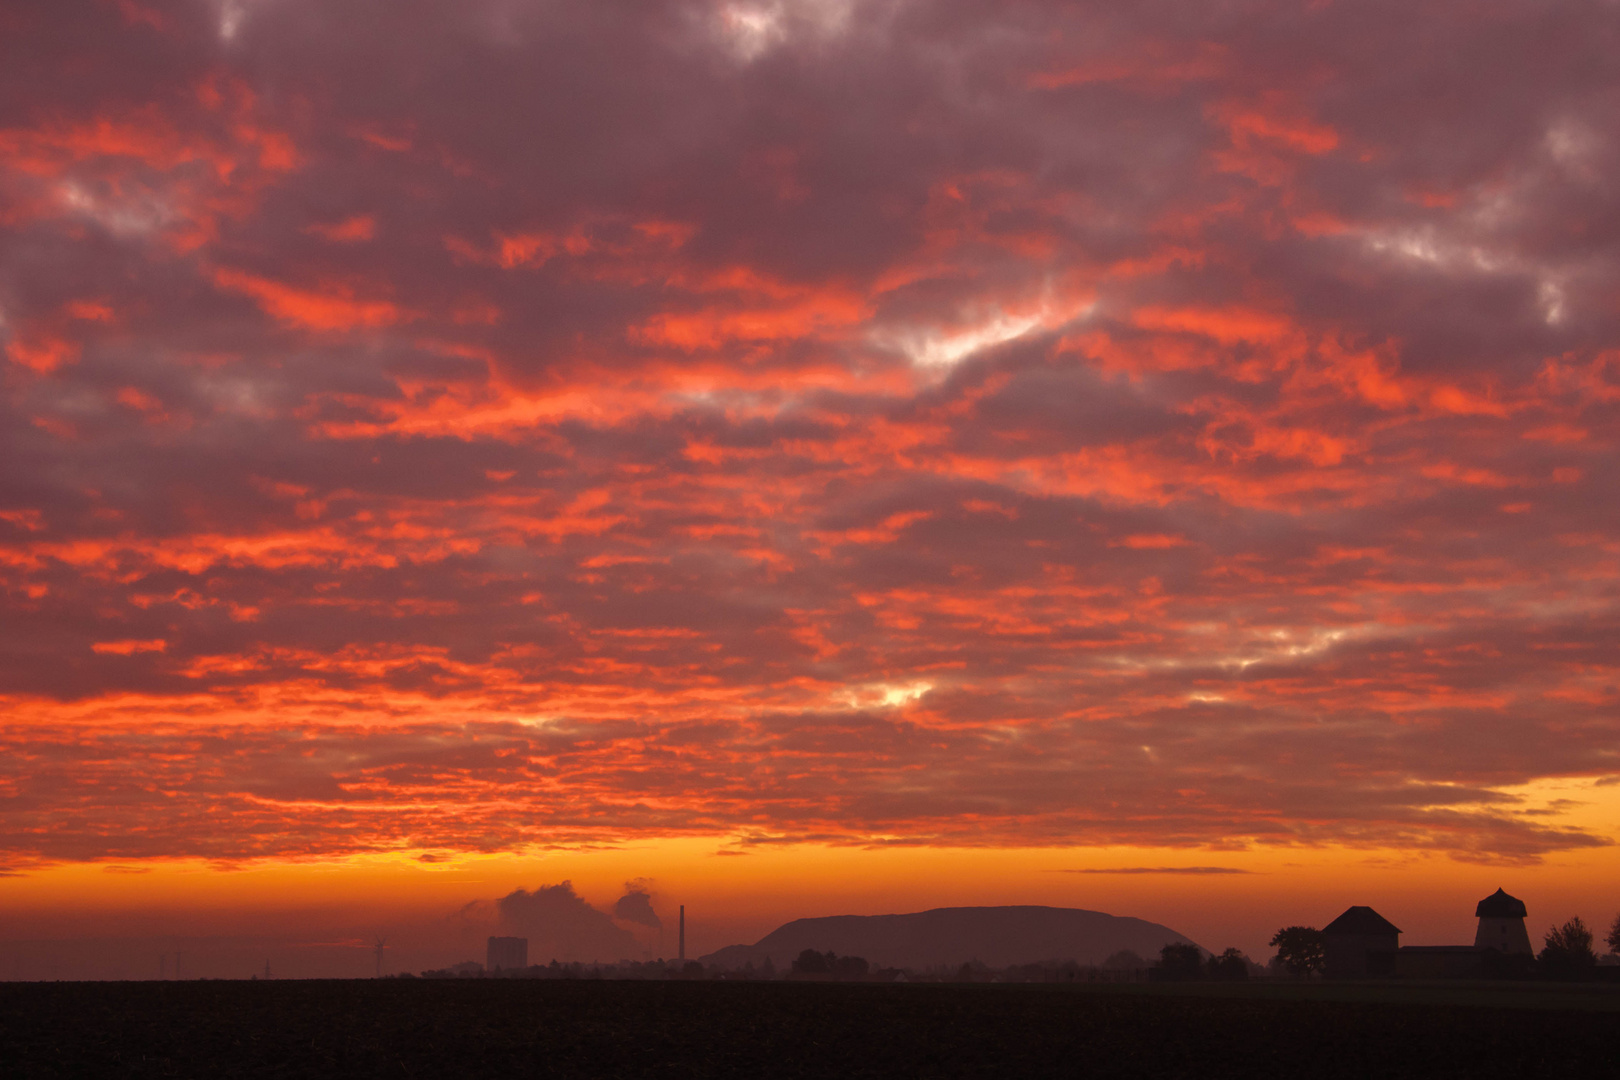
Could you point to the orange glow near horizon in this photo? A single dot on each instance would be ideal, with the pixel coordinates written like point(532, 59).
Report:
point(1219, 898)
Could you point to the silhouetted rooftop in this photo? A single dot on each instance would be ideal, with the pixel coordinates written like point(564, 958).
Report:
point(1499, 905)
point(1361, 920)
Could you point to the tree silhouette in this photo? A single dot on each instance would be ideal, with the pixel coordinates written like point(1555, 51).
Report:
point(1230, 966)
point(1180, 963)
point(811, 962)
point(1302, 949)
point(848, 967)
point(1613, 940)
point(1568, 950)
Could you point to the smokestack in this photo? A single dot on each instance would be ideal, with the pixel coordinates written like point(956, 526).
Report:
point(683, 933)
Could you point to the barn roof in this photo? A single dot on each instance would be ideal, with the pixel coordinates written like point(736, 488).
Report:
point(1361, 920)
point(1499, 905)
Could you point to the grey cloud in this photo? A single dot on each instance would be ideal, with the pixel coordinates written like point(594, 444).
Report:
point(562, 926)
point(635, 906)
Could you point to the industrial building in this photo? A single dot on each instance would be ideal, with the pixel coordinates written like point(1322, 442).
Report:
point(507, 953)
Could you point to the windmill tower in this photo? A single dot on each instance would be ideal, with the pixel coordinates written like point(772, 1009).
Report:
point(382, 943)
point(1501, 924)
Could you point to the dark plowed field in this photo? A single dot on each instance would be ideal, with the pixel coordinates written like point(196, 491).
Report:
point(704, 1029)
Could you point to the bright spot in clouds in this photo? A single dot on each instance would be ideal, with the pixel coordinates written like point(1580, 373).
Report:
point(753, 28)
point(880, 695)
point(943, 350)
point(940, 348)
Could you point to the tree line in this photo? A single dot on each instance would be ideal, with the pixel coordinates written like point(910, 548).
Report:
point(1187, 963)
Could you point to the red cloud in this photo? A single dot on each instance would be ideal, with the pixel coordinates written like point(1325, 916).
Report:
point(352, 230)
point(330, 307)
point(919, 429)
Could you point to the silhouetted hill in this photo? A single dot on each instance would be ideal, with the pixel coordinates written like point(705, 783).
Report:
point(996, 936)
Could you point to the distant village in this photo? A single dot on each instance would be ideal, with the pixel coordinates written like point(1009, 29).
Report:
point(1360, 944)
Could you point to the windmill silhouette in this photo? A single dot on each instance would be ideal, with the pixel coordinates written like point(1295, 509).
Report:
point(382, 943)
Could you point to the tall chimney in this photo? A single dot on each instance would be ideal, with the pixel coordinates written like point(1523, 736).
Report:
point(683, 932)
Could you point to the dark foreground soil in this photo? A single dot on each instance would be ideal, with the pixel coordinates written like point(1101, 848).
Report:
point(628, 1029)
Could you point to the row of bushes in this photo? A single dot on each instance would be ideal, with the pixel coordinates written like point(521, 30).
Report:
point(1187, 963)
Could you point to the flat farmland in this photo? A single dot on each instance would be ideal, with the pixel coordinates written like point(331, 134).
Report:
point(499, 1028)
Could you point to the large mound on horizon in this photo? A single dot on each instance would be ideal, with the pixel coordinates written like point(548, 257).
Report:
point(995, 936)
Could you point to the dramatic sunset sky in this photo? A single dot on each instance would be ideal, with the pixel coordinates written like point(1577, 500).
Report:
point(803, 457)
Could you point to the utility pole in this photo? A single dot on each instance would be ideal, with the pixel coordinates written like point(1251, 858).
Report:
point(682, 956)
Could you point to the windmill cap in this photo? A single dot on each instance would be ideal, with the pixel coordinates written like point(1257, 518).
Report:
point(1499, 905)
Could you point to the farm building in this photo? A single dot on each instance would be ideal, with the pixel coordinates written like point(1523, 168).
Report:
point(1360, 944)
point(1500, 938)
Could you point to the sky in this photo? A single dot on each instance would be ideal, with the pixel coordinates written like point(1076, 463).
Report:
point(796, 457)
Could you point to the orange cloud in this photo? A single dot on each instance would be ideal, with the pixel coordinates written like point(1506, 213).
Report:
point(352, 230)
point(333, 307)
point(43, 355)
point(129, 648)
